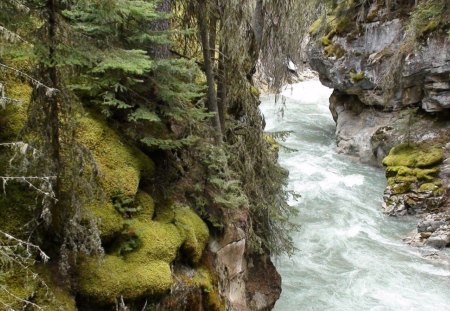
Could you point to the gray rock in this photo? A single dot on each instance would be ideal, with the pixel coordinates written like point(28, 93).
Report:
point(440, 238)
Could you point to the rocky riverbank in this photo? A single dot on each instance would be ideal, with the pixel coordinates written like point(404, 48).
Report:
point(391, 102)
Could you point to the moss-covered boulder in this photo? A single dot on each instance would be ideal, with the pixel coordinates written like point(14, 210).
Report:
point(408, 163)
point(413, 156)
point(112, 277)
point(120, 169)
point(145, 271)
point(413, 181)
point(195, 231)
point(120, 166)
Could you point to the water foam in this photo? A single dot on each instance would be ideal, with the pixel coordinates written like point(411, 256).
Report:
point(350, 256)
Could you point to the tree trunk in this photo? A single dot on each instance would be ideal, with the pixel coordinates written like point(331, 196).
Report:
point(209, 70)
point(161, 51)
point(52, 99)
point(221, 87)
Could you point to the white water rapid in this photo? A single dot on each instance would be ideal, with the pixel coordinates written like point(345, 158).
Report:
point(350, 256)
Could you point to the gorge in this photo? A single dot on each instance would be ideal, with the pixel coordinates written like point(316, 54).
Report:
point(143, 169)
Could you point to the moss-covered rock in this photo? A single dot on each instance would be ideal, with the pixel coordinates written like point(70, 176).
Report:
point(357, 76)
point(160, 242)
point(413, 156)
point(120, 166)
point(120, 169)
point(428, 187)
point(411, 169)
point(195, 232)
point(107, 279)
point(143, 272)
point(147, 205)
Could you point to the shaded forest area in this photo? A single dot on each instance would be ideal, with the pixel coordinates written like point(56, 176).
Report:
point(130, 136)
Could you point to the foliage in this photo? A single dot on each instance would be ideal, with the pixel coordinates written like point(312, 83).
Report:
point(125, 205)
point(100, 56)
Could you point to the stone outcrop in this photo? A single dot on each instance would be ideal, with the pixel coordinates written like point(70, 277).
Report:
point(391, 104)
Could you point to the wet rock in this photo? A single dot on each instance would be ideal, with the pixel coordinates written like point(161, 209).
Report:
point(440, 238)
point(414, 110)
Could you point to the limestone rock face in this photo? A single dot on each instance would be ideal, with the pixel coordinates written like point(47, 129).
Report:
point(390, 92)
point(247, 282)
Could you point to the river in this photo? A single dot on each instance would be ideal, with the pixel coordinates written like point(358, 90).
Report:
point(350, 255)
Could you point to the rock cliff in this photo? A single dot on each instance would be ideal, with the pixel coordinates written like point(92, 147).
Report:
point(389, 66)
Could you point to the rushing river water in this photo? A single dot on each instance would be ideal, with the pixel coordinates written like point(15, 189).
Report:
point(350, 256)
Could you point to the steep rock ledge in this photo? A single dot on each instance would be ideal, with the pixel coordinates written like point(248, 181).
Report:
point(406, 126)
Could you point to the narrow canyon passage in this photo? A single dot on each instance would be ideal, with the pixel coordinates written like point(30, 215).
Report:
point(350, 256)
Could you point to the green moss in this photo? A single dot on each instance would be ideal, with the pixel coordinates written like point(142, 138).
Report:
point(120, 170)
point(109, 220)
point(342, 24)
point(401, 187)
point(144, 272)
point(274, 146)
point(405, 171)
point(120, 166)
point(413, 156)
point(159, 241)
point(254, 90)
point(202, 278)
point(195, 231)
point(325, 40)
point(334, 50)
point(41, 290)
point(16, 209)
point(13, 117)
point(428, 187)
point(357, 76)
point(409, 164)
point(145, 201)
point(107, 279)
point(316, 26)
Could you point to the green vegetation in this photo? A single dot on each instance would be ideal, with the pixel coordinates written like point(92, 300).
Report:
point(93, 92)
point(409, 166)
point(357, 76)
point(413, 156)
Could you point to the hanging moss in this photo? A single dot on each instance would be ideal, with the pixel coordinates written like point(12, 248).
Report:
point(42, 290)
point(14, 116)
point(17, 206)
